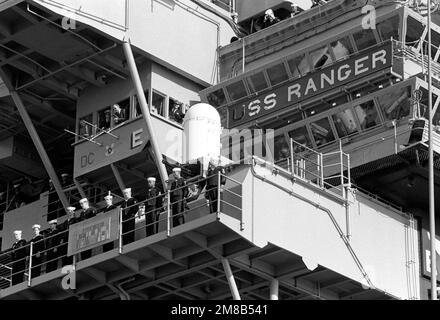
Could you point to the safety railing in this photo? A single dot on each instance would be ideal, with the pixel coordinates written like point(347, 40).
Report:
point(325, 170)
point(180, 205)
point(214, 194)
point(404, 51)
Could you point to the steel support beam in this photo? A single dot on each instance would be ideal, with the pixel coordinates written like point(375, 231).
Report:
point(35, 139)
point(431, 170)
point(231, 280)
point(145, 112)
point(118, 177)
point(79, 188)
point(274, 289)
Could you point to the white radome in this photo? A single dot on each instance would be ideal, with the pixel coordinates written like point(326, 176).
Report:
point(201, 133)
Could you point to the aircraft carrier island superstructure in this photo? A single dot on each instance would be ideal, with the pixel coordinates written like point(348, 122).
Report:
point(197, 149)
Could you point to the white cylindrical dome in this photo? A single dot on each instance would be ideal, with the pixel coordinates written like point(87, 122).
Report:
point(201, 133)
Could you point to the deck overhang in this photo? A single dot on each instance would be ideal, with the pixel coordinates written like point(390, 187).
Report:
point(188, 265)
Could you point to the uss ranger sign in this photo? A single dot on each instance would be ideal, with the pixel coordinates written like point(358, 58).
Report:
point(366, 62)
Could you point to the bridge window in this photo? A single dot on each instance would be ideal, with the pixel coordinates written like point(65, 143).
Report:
point(364, 39)
point(217, 98)
point(85, 129)
point(236, 90)
point(158, 104)
point(389, 28)
point(414, 31)
point(435, 120)
point(367, 115)
point(176, 110)
point(395, 104)
point(104, 118)
point(138, 111)
point(345, 123)
point(435, 43)
point(301, 136)
point(121, 111)
point(282, 149)
point(322, 132)
point(257, 82)
point(223, 117)
point(299, 65)
point(424, 103)
point(342, 48)
point(320, 57)
point(277, 74)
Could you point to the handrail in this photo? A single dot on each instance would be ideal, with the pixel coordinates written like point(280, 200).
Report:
point(46, 254)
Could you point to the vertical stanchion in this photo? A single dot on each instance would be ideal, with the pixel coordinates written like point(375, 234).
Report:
point(74, 261)
point(321, 163)
point(30, 264)
point(120, 230)
point(431, 169)
point(244, 54)
point(218, 193)
point(231, 281)
point(169, 213)
point(291, 156)
point(274, 288)
point(341, 159)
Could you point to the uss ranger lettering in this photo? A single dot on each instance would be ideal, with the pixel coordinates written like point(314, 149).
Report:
point(182, 310)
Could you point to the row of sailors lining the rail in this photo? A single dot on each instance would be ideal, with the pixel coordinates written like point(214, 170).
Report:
point(50, 247)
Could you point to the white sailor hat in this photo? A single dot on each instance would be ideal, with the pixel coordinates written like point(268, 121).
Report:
point(269, 12)
point(54, 221)
point(71, 208)
point(18, 232)
point(83, 200)
point(36, 226)
point(151, 179)
point(177, 169)
point(127, 190)
point(16, 185)
point(64, 174)
point(109, 196)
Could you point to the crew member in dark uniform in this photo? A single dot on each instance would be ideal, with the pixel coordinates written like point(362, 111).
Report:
point(178, 194)
point(38, 248)
point(152, 207)
point(212, 185)
point(129, 210)
point(52, 241)
point(18, 255)
point(269, 18)
point(64, 236)
point(86, 213)
point(109, 207)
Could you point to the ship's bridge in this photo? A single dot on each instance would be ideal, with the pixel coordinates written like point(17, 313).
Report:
point(283, 234)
